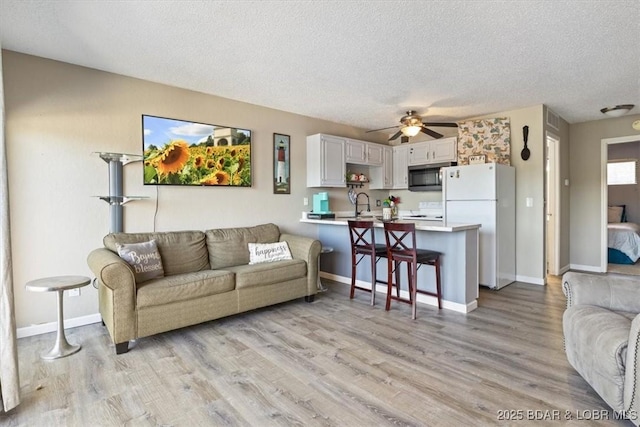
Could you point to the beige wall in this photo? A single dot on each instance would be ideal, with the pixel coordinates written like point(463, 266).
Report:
point(586, 186)
point(58, 114)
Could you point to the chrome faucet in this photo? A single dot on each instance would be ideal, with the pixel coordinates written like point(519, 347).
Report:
point(368, 204)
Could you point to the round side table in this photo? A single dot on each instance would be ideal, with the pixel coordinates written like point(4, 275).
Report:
point(59, 284)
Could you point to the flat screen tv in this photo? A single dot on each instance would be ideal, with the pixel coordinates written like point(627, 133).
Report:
point(178, 152)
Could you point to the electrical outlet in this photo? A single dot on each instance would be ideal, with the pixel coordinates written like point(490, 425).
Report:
point(74, 292)
point(305, 201)
point(378, 203)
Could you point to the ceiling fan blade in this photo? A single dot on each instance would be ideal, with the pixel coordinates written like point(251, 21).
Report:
point(397, 134)
point(441, 124)
point(376, 130)
point(429, 132)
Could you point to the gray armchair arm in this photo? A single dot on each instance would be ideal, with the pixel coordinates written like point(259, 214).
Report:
point(632, 374)
point(614, 293)
point(307, 249)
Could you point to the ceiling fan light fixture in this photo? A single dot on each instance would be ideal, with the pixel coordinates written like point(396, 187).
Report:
point(618, 110)
point(410, 130)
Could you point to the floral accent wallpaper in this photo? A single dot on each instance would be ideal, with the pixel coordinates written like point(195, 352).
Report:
point(488, 137)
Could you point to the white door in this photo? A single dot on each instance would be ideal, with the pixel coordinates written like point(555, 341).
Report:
point(400, 167)
point(552, 192)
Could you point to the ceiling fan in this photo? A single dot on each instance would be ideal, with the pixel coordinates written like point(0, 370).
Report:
point(412, 124)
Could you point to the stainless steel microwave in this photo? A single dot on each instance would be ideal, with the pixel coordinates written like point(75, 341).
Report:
point(426, 177)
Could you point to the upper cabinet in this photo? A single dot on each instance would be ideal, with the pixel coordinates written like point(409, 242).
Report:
point(400, 167)
point(326, 161)
point(436, 151)
point(381, 177)
point(363, 153)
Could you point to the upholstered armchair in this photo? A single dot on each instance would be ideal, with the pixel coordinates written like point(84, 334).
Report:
point(601, 329)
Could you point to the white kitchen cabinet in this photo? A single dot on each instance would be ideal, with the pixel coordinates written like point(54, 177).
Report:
point(326, 162)
point(436, 151)
point(356, 152)
point(381, 177)
point(363, 153)
point(375, 154)
point(401, 167)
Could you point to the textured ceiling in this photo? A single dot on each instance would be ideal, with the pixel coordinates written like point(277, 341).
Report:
point(361, 63)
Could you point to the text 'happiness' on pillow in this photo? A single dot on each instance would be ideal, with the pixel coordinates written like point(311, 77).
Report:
point(268, 252)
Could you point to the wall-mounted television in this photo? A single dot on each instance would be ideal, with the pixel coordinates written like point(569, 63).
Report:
point(178, 152)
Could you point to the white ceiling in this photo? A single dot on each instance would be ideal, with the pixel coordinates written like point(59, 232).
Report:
point(362, 63)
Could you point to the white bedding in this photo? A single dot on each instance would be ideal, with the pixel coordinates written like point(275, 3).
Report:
point(625, 237)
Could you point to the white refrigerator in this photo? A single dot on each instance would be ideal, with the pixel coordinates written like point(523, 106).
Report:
point(485, 194)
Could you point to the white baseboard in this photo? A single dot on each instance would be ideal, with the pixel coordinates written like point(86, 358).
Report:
point(590, 268)
point(564, 270)
point(45, 328)
point(421, 298)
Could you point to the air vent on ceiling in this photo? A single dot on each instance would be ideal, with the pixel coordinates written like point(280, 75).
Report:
point(553, 120)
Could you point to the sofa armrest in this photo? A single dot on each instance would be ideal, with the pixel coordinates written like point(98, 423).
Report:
point(117, 293)
point(613, 293)
point(307, 249)
point(631, 404)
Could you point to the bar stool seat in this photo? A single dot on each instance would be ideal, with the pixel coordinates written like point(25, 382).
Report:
point(363, 243)
point(401, 248)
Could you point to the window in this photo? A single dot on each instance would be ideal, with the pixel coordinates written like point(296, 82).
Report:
point(621, 172)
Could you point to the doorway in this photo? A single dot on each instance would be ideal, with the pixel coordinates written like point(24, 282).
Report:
point(552, 205)
point(604, 195)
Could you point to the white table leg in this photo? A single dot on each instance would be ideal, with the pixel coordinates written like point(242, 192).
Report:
point(61, 348)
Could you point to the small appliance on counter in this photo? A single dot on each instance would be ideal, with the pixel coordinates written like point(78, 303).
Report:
point(321, 207)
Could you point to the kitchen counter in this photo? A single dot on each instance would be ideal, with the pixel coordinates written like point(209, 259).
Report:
point(423, 225)
point(458, 243)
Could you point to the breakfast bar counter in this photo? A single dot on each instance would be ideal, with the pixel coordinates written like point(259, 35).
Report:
point(457, 242)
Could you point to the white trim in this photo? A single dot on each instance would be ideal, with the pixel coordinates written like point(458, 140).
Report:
point(45, 328)
point(564, 270)
point(421, 298)
point(532, 280)
point(557, 189)
point(590, 268)
point(604, 194)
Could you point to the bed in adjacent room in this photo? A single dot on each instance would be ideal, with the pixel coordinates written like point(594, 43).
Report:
point(623, 237)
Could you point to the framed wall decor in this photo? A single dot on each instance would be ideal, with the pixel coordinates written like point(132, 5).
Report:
point(178, 152)
point(281, 164)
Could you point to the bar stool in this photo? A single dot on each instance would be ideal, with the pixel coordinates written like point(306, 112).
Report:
point(401, 247)
point(363, 243)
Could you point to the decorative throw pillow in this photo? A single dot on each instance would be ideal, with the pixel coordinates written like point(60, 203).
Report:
point(144, 258)
point(268, 252)
point(614, 214)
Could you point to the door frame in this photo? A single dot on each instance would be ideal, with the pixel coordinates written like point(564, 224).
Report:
point(554, 154)
point(604, 193)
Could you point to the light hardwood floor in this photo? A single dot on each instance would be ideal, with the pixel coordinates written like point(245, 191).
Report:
point(334, 362)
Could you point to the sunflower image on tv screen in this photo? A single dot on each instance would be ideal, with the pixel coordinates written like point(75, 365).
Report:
point(177, 152)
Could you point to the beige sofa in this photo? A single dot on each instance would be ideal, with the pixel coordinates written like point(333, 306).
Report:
point(206, 276)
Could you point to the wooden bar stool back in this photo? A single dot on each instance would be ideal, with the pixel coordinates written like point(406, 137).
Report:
point(401, 248)
point(363, 244)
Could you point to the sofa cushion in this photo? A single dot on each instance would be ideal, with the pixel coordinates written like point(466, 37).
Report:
point(185, 286)
point(596, 341)
point(181, 251)
point(229, 246)
point(268, 273)
point(144, 258)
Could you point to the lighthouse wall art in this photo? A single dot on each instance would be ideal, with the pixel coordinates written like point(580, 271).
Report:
point(281, 165)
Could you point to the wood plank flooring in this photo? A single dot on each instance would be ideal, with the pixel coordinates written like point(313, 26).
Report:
point(335, 362)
